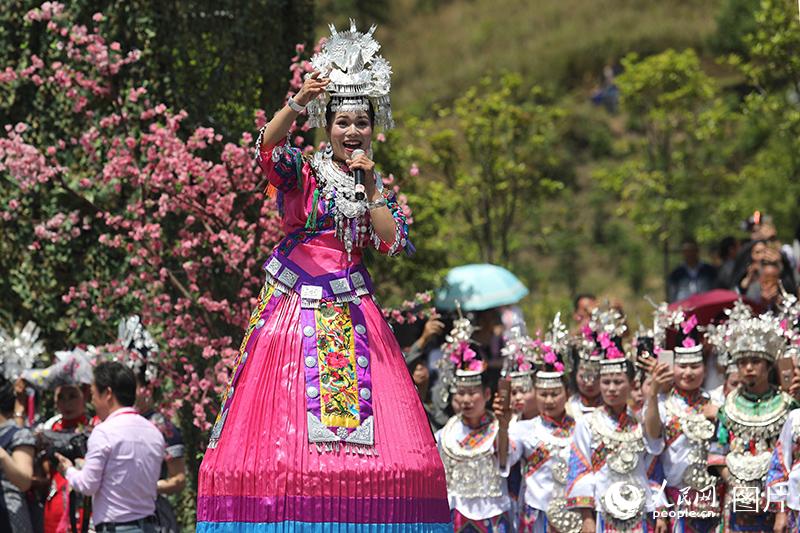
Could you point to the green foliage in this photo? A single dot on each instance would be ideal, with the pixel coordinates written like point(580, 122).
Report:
point(501, 155)
point(561, 44)
point(735, 20)
point(768, 165)
point(398, 278)
point(668, 183)
point(773, 46)
point(587, 132)
point(217, 59)
point(364, 12)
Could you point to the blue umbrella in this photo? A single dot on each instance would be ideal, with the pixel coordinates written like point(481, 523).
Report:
point(479, 287)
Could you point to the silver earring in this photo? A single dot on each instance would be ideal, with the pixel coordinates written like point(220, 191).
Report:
point(328, 150)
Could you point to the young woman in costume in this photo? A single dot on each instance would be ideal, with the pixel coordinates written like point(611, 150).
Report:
point(608, 480)
point(684, 418)
point(321, 428)
point(470, 442)
point(545, 443)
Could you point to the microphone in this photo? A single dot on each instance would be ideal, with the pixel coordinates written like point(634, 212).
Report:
point(358, 175)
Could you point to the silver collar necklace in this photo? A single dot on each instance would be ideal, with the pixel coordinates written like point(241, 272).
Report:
point(349, 214)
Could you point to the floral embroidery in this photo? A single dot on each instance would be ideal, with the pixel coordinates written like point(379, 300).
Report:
point(580, 501)
point(337, 365)
point(535, 460)
point(292, 240)
point(560, 429)
point(672, 430)
point(478, 435)
point(599, 457)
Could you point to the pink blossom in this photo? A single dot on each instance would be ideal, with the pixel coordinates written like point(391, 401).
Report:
point(475, 365)
point(604, 340)
point(414, 170)
point(688, 342)
point(468, 354)
point(613, 352)
point(559, 366)
point(689, 324)
point(181, 215)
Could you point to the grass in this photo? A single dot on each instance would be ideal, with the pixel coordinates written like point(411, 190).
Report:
point(564, 43)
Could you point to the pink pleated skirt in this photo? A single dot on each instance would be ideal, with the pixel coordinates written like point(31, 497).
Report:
point(265, 476)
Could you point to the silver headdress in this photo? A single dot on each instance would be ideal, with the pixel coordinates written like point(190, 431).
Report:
point(760, 336)
point(133, 337)
point(789, 313)
point(72, 367)
point(359, 77)
point(518, 354)
point(689, 350)
point(602, 340)
point(717, 334)
point(551, 354)
point(19, 350)
point(461, 364)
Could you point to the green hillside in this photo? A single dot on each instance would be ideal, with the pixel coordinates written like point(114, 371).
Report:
point(439, 49)
point(437, 52)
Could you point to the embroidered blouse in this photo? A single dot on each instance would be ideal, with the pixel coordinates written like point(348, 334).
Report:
point(476, 485)
point(309, 225)
point(677, 455)
point(543, 442)
point(589, 476)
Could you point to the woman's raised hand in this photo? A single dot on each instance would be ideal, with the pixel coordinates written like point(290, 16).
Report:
point(312, 87)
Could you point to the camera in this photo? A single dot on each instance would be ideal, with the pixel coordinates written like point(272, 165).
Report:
point(69, 444)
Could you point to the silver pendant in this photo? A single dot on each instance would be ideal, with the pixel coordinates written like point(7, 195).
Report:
point(624, 502)
point(563, 519)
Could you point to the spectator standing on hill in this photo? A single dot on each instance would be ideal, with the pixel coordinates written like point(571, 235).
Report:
point(693, 276)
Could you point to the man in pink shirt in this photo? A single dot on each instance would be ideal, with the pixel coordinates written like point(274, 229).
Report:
point(124, 456)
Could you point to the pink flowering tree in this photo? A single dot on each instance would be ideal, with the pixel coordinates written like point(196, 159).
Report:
point(107, 208)
point(110, 206)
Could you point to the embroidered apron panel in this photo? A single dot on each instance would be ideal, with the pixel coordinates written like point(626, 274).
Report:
point(338, 376)
point(336, 352)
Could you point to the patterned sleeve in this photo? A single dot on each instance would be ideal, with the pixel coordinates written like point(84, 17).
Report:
point(781, 463)
point(23, 437)
point(580, 477)
point(400, 233)
point(283, 166)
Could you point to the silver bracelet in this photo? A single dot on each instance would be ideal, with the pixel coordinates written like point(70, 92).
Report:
point(376, 204)
point(294, 105)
